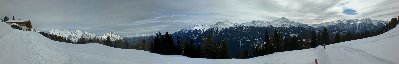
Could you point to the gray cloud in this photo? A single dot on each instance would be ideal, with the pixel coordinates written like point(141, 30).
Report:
point(148, 16)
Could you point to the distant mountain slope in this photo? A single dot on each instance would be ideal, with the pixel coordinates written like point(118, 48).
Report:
point(352, 25)
point(244, 36)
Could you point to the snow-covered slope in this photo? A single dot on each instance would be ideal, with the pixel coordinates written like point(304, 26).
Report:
point(22, 47)
point(4, 28)
point(379, 49)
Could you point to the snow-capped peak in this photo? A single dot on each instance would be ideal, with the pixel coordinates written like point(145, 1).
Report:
point(73, 35)
point(139, 35)
point(198, 27)
point(112, 35)
point(352, 21)
point(282, 19)
point(256, 23)
point(374, 22)
point(224, 24)
point(282, 22)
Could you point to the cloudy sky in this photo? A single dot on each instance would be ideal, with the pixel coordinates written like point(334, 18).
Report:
point(148, 16)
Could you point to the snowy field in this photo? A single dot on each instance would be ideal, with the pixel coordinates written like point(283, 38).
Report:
point(21, 47)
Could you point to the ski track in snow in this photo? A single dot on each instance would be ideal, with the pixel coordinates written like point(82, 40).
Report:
point(365, 55)
point(347, 55)
point(322, 57)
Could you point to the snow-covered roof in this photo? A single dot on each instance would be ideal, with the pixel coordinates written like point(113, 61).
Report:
point(17, 20)
point(14, 24)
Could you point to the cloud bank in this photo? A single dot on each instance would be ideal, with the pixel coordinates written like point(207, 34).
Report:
point(148, 16)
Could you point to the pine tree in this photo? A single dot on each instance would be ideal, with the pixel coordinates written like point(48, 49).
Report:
point(81, 40)
point(274, 44)
point(178, 46)
point(267, 44)
point(385, 28)
point(157, 45)
point(396, 22)
point(314, 40)
point(277, 44)
point(393, 23)
point(208, 47)
point(244, 54)
point(170, 48)
point(325, 36)
point(337, 38)
point(5, 19)
point(397, 19)
point(108, 41)
point(142, 45)
point(224, 50)
point(293, 44)
point(366, 34)
point(189, 49)
point(267, 38)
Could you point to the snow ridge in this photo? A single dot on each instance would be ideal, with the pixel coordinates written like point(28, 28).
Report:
point(112, 35)
point(282, 22)
point(352, 21)
point(224, 24)
point(75, 35)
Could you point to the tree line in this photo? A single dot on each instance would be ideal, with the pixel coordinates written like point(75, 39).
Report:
point(211, 47)
point(5, 18)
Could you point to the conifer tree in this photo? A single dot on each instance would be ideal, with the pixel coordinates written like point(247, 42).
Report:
point(142, 45)
point(157, 44)
point(208, 47)
point(189, 49)
point(5, 19)
point(108, 41)
point(267, 44)
point(277, 44)
point(178, 46)
point(337, 38)
point(325, 36)
point(224, 50)
point(293, 44)
point(314, 40)
point(170, 48)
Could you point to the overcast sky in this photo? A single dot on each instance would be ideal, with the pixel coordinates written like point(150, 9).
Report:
point(148, 16)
